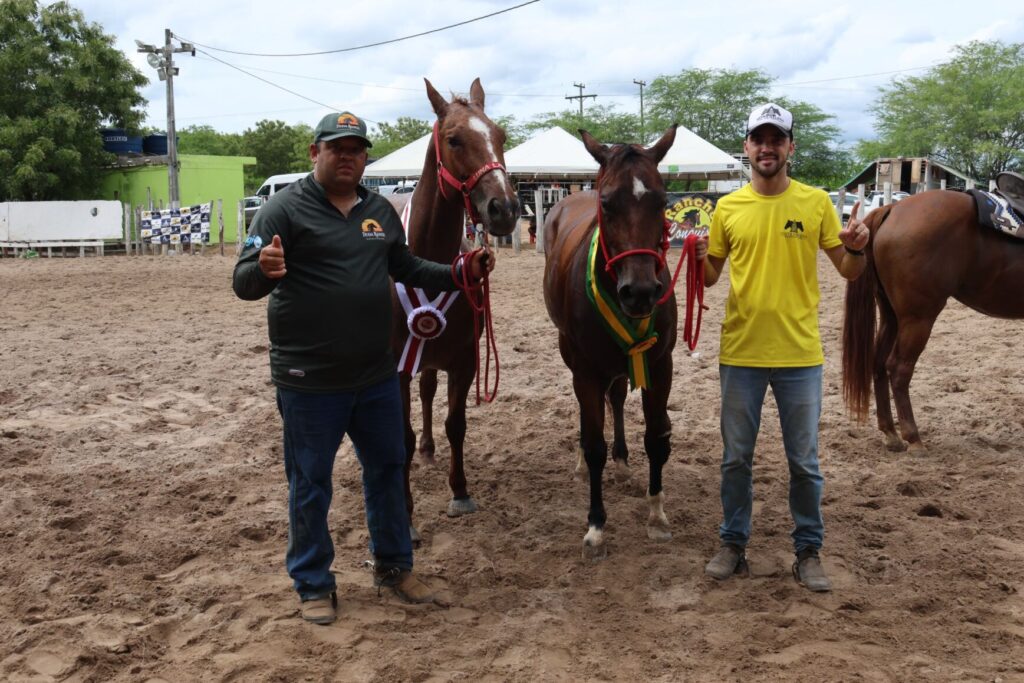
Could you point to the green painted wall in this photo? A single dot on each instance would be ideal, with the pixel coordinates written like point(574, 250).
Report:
point(200, 179)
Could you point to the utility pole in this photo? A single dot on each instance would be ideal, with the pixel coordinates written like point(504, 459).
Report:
point(162, 59)
point(643, 138)
point(579, 97)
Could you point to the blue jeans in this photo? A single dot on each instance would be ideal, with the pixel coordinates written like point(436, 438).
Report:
point(798, 394)
point(314, 426)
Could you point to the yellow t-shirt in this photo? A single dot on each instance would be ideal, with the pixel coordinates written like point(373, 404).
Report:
point(772, 242)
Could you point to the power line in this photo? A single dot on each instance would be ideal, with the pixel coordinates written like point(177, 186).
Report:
point(360, 47)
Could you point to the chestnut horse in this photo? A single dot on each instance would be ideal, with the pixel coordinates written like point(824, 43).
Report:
point(618, 233)
point(923, 250)
point(464, 170)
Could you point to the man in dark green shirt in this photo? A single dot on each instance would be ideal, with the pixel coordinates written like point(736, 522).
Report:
point(324, 249)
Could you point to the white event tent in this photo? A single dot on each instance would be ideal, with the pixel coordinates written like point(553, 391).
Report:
point(553, 152)
point(693, 157)
point(405, 162)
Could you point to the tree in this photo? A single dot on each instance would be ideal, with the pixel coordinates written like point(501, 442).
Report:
point(967, 111)
point(205, 140)
point(391, 136)
point(61, 80)
point(602, 121)
point(278, 148)
point(713, 103)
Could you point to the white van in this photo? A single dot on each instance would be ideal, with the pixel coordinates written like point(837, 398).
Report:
point(276, 182)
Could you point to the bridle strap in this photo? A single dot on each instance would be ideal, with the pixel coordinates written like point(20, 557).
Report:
point(465, 187)
point(659, 256)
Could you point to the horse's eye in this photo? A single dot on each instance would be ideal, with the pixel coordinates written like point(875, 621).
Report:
point(606, 203)
point(453, 141)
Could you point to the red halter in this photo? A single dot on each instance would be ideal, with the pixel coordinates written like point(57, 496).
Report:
point(694, 271)
point(446, 176)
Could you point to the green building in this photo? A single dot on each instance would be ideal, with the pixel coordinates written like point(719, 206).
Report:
point(138, 180)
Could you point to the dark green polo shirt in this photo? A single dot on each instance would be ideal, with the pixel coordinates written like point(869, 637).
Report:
point(329, 317)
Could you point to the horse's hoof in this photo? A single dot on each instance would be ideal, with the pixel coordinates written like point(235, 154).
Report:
point(621, 471)
point(425, 459)
point(917, 448)
point(415, 537)
point(457, 508)
point(594, 548)
point(658, 533)
point(894, 444)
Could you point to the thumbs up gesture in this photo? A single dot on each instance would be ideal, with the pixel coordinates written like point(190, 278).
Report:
point(272, 259)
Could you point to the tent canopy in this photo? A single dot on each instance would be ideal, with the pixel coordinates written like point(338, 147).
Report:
point(552, 152)
point(404, 162)
point(693, 157)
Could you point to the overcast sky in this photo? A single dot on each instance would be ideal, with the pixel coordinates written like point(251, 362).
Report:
point(832, 55)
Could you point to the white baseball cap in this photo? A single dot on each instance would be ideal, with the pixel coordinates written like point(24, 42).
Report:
point(772, 114)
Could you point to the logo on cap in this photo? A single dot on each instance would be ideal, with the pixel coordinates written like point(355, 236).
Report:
point(348, 121)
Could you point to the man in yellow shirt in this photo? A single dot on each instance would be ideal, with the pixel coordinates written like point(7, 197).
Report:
point(771, 231)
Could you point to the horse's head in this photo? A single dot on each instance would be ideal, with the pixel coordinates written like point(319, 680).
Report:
point(631, 216)
point(470, 148)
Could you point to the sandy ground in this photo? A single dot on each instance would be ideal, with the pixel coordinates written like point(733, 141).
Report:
point(143, 526)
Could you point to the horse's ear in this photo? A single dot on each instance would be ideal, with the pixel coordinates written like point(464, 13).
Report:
point(659, 149)
point(437, 101)
point(596, 149)
point(476, 93)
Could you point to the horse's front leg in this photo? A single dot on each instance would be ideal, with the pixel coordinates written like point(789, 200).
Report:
point(428, 389)
point(590, 396)
point(657, 443)
point(620, 454)
point(460, 379)
point(410, 447)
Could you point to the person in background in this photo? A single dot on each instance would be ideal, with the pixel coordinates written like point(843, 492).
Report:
point(770, 231)
point(323, 249)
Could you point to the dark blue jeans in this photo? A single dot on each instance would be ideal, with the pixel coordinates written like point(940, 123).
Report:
point(314, 426)
point(798, 395)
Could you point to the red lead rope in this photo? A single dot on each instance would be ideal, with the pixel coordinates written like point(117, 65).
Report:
point(479, 298)
point(694, 292)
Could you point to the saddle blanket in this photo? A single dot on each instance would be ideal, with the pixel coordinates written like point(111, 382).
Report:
point(995, 212)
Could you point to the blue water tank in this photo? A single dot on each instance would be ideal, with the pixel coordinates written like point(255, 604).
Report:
point(118, 141)
point(155, 144)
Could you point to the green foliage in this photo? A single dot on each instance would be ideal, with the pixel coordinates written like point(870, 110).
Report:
point(713, 103)
point(602, 121)
point(278, 148)
point(61, 80)
point(206, 140)
point(818, 160)
point(391, 136)
point(967, 111)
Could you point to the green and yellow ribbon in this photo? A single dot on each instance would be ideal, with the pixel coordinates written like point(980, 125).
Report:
point(633, 335)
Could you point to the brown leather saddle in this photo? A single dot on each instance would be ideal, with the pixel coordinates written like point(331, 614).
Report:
point(1011, 186)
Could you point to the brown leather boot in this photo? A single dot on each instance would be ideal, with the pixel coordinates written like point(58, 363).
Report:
point(321, 610)
point(406, 585)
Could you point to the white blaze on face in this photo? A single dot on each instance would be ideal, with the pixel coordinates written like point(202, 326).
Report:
point(479, 126)
point(639, 189)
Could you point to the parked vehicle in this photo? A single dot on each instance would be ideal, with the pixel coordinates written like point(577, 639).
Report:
point(404, 187)
point(251, 206)
point(276, 183)
point(872, 201)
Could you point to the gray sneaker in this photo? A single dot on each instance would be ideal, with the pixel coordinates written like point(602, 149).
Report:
point(809, 573)
point(730, 559)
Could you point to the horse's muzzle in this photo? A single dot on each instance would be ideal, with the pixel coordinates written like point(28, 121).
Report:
point(502, 216)
point(637, 300)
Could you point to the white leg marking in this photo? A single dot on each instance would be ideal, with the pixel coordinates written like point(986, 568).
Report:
point(594, 537)
point(639, 189)
point(657, 521)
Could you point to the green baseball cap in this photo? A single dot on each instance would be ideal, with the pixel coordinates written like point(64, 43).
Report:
point(340, 125)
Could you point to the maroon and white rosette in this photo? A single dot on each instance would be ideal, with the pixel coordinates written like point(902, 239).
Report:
point(425, 320)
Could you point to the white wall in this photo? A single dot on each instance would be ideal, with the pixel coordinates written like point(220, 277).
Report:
point(60, 221)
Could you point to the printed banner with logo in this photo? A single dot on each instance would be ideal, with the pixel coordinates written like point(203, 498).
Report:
point(187, 225)
point(689, 215)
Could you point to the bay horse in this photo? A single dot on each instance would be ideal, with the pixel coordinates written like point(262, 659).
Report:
point(923, 250)
point(617, 233)
point(464, 171)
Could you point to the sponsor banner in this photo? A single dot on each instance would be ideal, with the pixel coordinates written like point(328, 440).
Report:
point(689, 214)
point(186, 225)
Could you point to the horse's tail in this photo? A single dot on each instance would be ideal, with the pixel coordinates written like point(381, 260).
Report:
point(859, 327)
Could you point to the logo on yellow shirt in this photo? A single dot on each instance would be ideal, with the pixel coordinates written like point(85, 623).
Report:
point(372, 230)
point(794, 229)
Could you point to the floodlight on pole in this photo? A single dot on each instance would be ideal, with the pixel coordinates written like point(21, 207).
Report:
point(162, 60)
